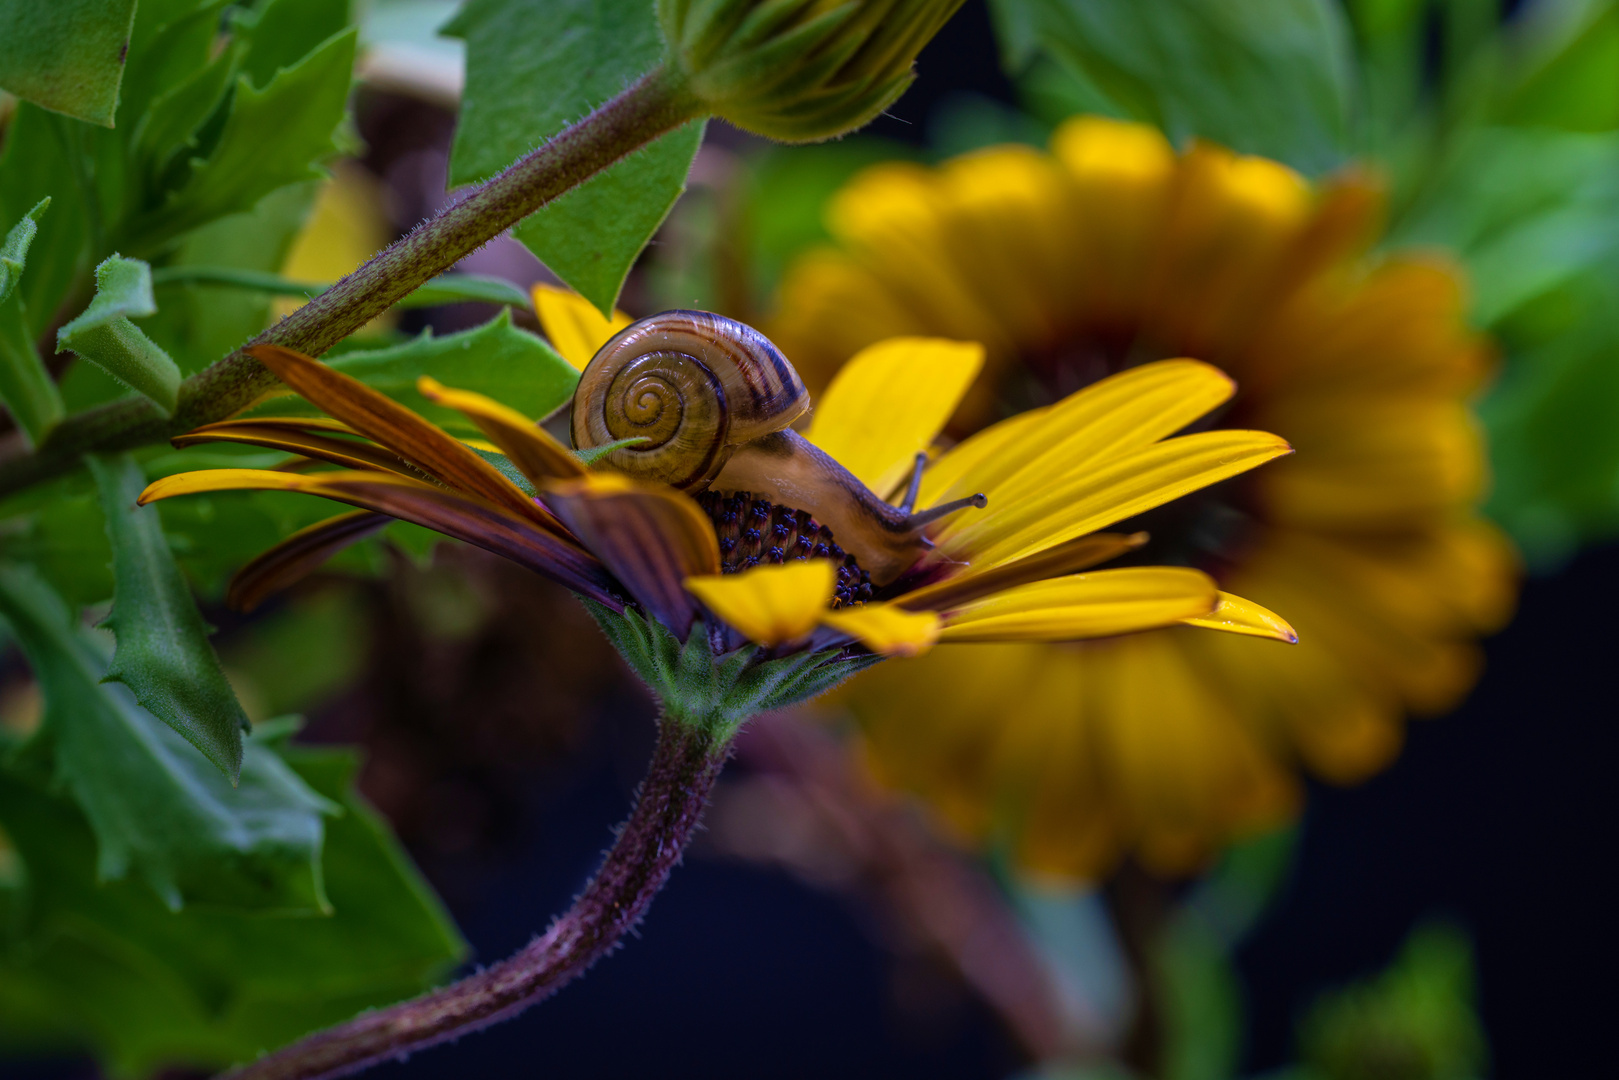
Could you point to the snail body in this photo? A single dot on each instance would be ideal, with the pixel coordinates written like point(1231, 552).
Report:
point(714, 402)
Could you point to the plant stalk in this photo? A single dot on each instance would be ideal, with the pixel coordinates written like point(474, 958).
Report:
point(654, 105)
point(684, 767)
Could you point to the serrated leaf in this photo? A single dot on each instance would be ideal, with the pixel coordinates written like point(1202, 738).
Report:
point(66, 55)
point(531, 70)
point(105, 967)
point(591, 236)
point(271, 137)
point(25, 386)
point(154, 806)
point(1270, 77)
point(283, 32)
point(505, 362)
point(163, 654)
point(106, 337)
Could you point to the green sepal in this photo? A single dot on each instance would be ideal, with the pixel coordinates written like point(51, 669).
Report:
point(163, 654)
point(717, 694)
point(25, 386)
point(105, 336)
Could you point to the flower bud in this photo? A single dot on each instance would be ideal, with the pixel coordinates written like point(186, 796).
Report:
point(799, 70)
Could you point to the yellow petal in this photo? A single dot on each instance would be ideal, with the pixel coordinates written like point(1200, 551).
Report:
point(651, 537)
point(1122, 487)
point(531, 447)
point(886, 629)
point(1099, 604)
point(1120, 413)
point(888, 403)
point(770, 604)
point(573, 325)
point(1235, 615)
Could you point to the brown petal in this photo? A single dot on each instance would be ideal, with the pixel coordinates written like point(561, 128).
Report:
point(298, 555)
point(651, 538)
point(385, 421)
point(465, 517)
point(531, 448)
point(348, 453)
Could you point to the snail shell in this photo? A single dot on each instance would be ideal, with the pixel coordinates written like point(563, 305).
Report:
point(694, 385)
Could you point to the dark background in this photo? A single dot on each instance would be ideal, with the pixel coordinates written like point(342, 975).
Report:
point(1499, 817)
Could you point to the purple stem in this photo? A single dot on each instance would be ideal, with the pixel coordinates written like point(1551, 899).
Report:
point(671, 801)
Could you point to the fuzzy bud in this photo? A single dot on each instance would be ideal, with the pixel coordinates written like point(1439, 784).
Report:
point(799, 70)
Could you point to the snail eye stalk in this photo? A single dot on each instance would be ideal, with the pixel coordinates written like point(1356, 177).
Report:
point(915, 487)
point(932, 514)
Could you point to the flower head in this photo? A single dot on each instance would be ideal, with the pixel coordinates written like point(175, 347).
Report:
point(1096, 259)
point(745, 566)
point(799, 70)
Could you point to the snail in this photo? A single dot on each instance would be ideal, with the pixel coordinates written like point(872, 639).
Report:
point(713, 401)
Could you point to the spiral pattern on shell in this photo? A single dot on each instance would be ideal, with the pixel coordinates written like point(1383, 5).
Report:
point(694, 386)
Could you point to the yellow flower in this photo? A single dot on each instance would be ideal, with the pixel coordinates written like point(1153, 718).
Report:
point(1104, 255)
point(1007, 574)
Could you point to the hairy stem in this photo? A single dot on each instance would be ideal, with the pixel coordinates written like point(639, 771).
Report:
point(654, 105)
point(682, 774)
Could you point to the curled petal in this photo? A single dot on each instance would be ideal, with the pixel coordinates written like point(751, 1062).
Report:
point(463, 517)
point(886, 629)
point(573, 325)
point(1098, 604)
point(348, 453)
point(531, 448)
point(299, 555)
point(1235, 615)
point(889, 402)
point(651, 538)
point(385, 421)
point(770, 604)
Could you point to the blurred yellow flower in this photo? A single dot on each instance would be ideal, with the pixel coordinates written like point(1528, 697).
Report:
point(1109, 252)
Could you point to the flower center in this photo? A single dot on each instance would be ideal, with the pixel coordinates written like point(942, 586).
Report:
point(754, 531)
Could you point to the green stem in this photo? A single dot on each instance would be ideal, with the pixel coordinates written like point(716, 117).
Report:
point(656, 104)
point(684, 767)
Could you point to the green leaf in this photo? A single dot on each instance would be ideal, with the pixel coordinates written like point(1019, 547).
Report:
point(67, 55)
point(283, 32)
point(25, 386)
point(531, 70)
point(1269, 77)
point(1554, 448)
point(1569, 77)
point(591, 236)
point(1417, 1018)
point(153, 804)
point(1527, 209)
point(163, 653)
point(271, 137)
point(105, 967)
point(498, 359)
point(104, 335)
